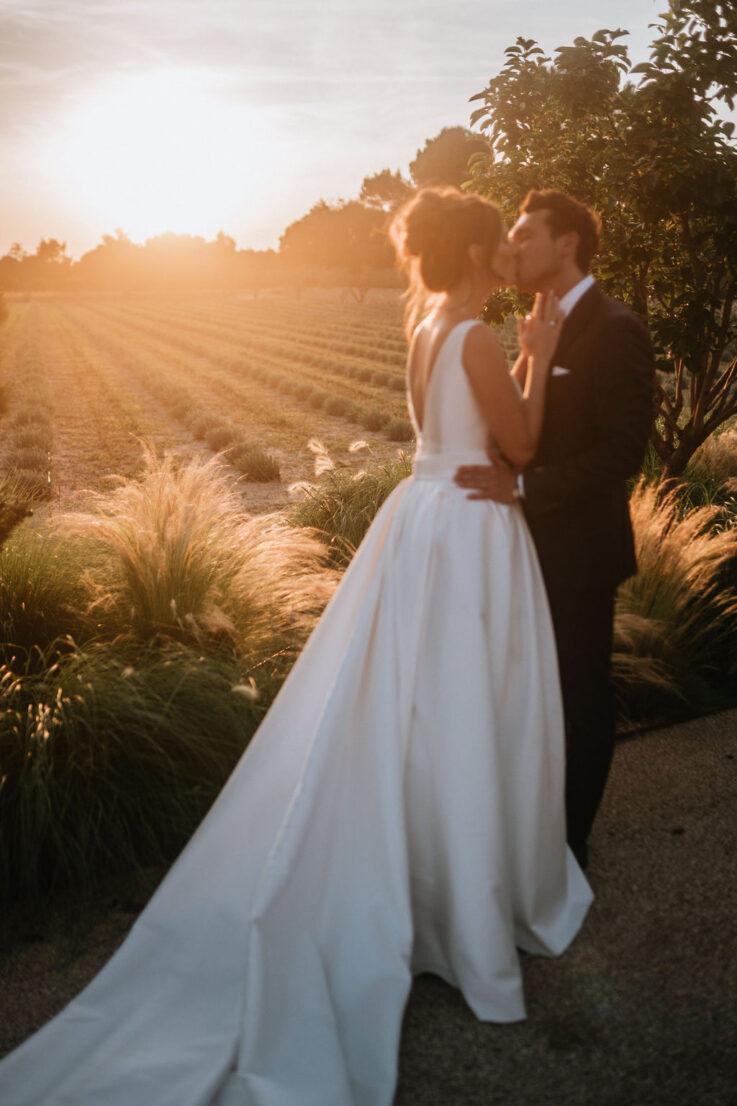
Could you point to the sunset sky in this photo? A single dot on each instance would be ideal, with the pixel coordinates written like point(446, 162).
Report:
point(155, 115)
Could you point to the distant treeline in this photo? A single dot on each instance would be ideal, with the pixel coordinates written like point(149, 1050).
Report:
point(333, 244)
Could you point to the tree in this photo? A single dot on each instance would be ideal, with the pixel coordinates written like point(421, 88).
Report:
point(51, 252)
point(657, 161)
point(444, 159)
point(3, 309)
point(348, 236)
point(385, 190)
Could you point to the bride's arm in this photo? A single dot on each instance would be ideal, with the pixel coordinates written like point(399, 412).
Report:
point(514, 421)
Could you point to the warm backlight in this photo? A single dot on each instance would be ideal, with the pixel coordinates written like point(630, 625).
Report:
point(162, 151)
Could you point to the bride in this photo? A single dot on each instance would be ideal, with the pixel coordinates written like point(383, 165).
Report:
point(400, 809)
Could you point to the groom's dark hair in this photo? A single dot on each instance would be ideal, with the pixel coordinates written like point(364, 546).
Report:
point(564, 215)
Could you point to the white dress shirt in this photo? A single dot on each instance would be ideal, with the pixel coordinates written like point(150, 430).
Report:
point(567, 303)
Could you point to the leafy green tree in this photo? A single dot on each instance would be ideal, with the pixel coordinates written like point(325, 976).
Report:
point(385, 190)
point(444, 159)
point(655, 157)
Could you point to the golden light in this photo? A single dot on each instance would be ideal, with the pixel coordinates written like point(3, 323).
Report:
point(163, 151)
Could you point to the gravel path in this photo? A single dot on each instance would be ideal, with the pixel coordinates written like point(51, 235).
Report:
point(641, 1011)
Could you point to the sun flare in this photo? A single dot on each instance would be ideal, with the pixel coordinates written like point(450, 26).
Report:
point(163, 151)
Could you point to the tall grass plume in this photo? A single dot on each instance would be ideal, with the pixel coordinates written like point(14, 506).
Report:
point(183, 560)
point(674, 628)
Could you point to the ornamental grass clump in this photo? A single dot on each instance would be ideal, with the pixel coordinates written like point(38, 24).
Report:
point(111, 759)
point(182, 560)
point(675, 643)
point(43, 597)
point(399, 430)
point(711, 474)
point(254, 463)
point(342, 504)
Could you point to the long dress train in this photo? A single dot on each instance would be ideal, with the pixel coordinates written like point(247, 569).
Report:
point(399, 810)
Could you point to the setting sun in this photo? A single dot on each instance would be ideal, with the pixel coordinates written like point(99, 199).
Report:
point(163, 151)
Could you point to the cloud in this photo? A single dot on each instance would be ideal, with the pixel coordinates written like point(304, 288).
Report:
point(53, 51)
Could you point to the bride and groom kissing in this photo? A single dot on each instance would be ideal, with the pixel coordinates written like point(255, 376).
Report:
point(401, 807)
point(598, 413)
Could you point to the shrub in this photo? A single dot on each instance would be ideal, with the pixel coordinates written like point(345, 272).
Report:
point(221, 436)
point(303, 390)
point(202, 425)
point(343, 504)
point(31, 458)
point(711, 475)
point(33, 484)
point(363, 374)
point(43, 596)
point(317, 398)
point(30, 436)
point(29, 414)
point(335, 405)
point(182, 560)
point(400, 430)
point(371, 419)
point(110, 761)
point(674, 628)
point(255, 464)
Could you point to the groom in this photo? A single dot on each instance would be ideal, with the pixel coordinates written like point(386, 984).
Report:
point(599, 409)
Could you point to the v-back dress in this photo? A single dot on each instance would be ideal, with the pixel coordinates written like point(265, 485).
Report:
point(399, 810)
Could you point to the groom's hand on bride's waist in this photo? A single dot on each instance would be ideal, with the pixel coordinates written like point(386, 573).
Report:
point(497, 480)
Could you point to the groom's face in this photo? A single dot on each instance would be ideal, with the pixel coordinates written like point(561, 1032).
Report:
point(538, 252)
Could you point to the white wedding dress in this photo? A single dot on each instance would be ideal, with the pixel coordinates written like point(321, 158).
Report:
point(400, 810)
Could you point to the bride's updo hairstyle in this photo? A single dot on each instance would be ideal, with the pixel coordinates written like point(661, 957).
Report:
point(431, 234)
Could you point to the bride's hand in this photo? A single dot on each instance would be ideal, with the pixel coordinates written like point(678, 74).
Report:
point(539, 331)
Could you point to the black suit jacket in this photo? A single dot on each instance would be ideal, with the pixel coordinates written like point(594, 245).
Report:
point(594, 436)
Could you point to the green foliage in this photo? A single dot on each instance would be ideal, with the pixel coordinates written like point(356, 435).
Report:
point(141, 646)
point(343, 504)
point(657, 161)
point(385, 190)
point(675, 642)
point(110, 758)
point(444, 159)
point(43, 597)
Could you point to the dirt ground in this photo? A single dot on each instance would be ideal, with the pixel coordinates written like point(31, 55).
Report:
point(641, 1010)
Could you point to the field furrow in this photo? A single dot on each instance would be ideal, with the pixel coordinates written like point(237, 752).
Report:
point(241, 355)
point(259, 413)
point(345, 348)
point(257, 380)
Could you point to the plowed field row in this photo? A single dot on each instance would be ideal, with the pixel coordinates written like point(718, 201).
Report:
point(123, 371)
point(237, 359)
point(280, 333)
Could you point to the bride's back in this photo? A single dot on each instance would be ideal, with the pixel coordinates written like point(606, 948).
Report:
point(451, 420)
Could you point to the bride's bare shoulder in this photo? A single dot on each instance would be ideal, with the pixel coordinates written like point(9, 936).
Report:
point(482, 347)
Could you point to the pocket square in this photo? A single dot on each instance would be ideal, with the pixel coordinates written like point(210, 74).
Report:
point(558, 370)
